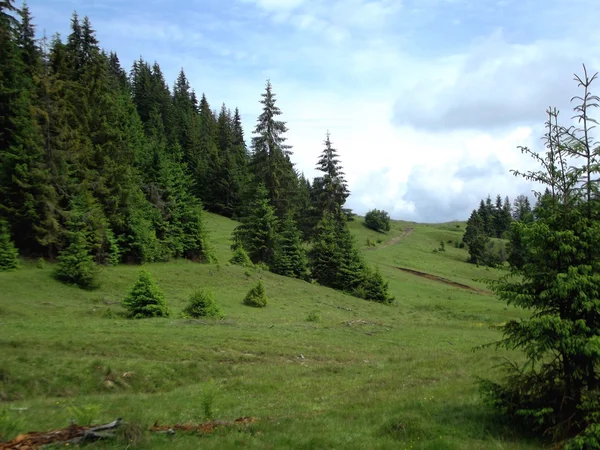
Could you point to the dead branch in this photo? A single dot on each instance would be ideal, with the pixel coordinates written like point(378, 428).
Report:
point(73, 434)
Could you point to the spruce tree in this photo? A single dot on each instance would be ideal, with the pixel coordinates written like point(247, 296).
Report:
point(258, 232)
point(334, 259)
point(374, 287)
point(332, 187)
point(270, 160)
point(145, 299)
point(9, 255)
point(290, 256)
point(22, 174)
point(522, 209)
point(555, 391)
point(476, 238)
point(76, 264)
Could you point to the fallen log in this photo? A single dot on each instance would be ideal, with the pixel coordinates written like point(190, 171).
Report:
point(73, 434)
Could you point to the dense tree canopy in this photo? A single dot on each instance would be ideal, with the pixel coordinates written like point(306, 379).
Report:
point(99, 165)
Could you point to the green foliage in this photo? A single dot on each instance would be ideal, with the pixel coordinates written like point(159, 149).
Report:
point(378, 220)
point(330, 190)
point(11, 424)
point(41, 263)
point(203, 304)
point(555, 276)
point(270, 162)
point(9, 255)
point(257, 296)
point(240, 257)
point(258, 232)
point(290, 257)
point(373, 287)
point(476, 239)
point(76, 264)
point(145, 299)
point(521, 211)
point(210, 391)
point(84, 415)
point(314, 316)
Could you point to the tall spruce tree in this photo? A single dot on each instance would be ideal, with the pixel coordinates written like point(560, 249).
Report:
point(556, 390)
point(22, 174)
point(270, 161)
point(476, 238)
point(332, 187)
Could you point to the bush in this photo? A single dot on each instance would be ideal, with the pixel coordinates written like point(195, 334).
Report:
point(203, 304)
point(145, 298)
point(373, 287)
point(9, 255)
point(257, 296)
point(378, 220)
point(240, 257)
point(314, 316)
point(76, 264)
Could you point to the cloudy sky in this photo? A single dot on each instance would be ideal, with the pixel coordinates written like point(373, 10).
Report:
point(426, 100)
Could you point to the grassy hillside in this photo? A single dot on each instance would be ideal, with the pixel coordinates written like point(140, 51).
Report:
point(364, 376)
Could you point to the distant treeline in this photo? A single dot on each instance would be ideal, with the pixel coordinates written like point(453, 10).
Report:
point(493, 220)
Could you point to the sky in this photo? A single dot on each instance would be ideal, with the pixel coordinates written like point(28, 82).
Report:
point(426, 101)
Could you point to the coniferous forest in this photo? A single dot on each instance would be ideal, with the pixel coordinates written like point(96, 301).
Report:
point(102, 164)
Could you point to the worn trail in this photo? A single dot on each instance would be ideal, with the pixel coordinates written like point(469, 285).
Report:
point(443, 280)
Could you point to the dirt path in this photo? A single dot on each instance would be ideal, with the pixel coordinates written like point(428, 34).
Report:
point(407, 232)
point(443, 280)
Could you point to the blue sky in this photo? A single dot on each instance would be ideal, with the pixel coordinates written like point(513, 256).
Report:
point(426, 100)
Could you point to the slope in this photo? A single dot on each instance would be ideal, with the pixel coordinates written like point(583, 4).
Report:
point(357, 375)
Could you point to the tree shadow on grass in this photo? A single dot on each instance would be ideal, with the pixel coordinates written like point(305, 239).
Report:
point(457, 423)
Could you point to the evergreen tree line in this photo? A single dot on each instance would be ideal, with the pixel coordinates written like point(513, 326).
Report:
point(494, 221)
point(107, 166)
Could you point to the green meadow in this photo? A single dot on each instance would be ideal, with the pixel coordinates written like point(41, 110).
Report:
point(317, 369)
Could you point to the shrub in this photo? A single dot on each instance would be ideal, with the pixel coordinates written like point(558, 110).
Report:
point(9, 255)
point(374, 287)
point(145, 298)
point(314, 316)
point(257, 296)
point(203, 304)
point(76, 264)
point(378, 220)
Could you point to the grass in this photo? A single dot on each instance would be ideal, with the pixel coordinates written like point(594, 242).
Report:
point(362, 376)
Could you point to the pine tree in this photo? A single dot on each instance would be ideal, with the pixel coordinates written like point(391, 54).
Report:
point(9, 255)
point(522, 209)
point(333, 189)
point(22, 175)
point(30, 51)
point(257, 296)
point(145, 299)
point(202, 303)
point(290, 256)
point(334, 259)
point(258, 232)
point(76, 264)
point(374, 287)
point(476, 238)
point(486, 212)
point(270, 160)
point(556, 390)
